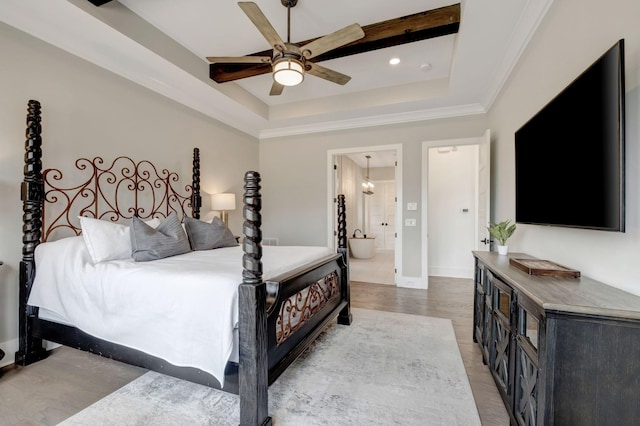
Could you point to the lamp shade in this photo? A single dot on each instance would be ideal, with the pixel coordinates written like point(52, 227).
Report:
point(225, 201)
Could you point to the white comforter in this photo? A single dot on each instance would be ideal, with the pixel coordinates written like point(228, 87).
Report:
point(182, 309)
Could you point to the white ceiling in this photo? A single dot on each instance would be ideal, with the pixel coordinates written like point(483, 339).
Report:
point(378, 158)
point(162, 45)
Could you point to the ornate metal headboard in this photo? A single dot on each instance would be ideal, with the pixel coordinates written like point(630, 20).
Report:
point(120, 190)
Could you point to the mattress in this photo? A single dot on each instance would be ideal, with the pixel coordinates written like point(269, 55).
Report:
point(182, 309)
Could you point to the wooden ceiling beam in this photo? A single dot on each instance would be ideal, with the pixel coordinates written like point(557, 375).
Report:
point(98, 2)
point(393, 32)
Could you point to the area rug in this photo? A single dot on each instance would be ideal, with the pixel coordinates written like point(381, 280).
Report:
point(386, 368)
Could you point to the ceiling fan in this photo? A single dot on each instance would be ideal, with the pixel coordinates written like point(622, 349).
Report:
point(289, 61)
point(379, 35)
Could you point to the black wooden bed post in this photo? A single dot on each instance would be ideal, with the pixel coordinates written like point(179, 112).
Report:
point(196, 199)
point(32, 194)
point(344, 317)
point(253, 373)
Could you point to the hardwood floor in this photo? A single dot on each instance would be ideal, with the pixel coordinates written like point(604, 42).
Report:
point(68, 381)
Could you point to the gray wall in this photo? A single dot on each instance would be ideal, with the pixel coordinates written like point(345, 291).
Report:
point(571, 37)
point(90, 112)
point(295, 177)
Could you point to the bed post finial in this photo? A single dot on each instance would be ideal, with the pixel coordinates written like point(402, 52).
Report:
point(32, 194)
point(196, 199)
point(342, 223)
point(345, 316)
point(252, 301)
point(32, 191)
point(252, 244)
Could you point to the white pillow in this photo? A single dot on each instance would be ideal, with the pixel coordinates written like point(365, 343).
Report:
point(107, 240)
point(154, 223)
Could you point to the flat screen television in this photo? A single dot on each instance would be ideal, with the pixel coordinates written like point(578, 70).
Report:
point(570, 155)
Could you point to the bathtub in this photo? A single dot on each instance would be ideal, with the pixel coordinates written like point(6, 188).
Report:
point(362, 248)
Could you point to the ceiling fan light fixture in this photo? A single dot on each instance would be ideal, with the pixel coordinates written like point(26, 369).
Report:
point(288, 72)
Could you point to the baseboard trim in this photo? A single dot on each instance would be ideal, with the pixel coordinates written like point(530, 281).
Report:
point(436, 271)
point(412, 282)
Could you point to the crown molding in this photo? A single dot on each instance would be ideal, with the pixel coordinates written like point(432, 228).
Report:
point(530, 19)
point(379, 120)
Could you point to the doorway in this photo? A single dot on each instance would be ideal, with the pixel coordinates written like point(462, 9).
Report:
point(371, 212)
point(455, 176)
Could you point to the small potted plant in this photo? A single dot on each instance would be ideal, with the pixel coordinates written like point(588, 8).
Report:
point(501, 232)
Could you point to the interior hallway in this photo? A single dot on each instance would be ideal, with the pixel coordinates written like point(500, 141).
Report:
point(379, 269)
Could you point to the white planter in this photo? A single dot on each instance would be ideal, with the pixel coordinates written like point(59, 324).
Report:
point(503, 250)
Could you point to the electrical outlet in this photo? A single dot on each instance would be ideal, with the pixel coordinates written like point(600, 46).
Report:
point(409, 222)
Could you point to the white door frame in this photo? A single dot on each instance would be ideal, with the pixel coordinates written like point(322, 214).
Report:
point(331, 211)
point(484, 139)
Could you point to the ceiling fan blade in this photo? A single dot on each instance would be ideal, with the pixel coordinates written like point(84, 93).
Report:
point(393, 32)
point(262, 23)
point(239, 59)
point(328, 74)
point(276, 89)
point(329, 42)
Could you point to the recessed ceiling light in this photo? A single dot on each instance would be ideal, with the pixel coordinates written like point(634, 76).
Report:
point(394, 61)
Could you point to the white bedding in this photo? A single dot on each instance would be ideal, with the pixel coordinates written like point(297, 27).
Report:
point(182, 309)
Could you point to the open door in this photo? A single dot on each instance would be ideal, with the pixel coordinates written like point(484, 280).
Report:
point(477, 229)
point(340, 174)
point(483, 210)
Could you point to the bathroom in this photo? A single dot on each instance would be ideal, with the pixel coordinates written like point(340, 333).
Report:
point(368, 178)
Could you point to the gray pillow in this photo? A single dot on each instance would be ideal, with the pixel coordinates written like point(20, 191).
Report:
point(206, 236)
point(168, 239)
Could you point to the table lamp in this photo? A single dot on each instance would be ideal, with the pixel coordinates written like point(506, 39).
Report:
point(223, 203)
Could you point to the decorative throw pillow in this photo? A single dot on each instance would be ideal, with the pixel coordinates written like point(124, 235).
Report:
point(105, 240)
point(206, 236)
point(168, 239)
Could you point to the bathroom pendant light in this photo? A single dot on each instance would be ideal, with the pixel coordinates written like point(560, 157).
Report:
point(367, 185)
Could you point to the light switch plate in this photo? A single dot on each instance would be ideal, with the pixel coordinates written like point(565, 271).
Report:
point(409, 222)
point(412, 206)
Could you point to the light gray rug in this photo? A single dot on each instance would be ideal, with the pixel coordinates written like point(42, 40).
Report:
point(386, 368)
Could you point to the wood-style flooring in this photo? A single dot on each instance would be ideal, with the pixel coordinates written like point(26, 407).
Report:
point(68, 381)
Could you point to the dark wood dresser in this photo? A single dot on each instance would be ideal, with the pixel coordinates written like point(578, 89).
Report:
point(562, 351)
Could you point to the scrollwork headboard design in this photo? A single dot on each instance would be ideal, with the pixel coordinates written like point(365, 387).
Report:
point(119, 190)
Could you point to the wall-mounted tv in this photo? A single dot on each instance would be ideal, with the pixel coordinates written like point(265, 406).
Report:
point(570, 155)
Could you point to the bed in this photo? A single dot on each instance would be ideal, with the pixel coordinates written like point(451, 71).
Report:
point(265, 322)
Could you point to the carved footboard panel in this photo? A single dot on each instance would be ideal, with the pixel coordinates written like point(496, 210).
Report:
point(301, 304)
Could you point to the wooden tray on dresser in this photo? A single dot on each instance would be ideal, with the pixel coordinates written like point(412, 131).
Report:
point(543, 267)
